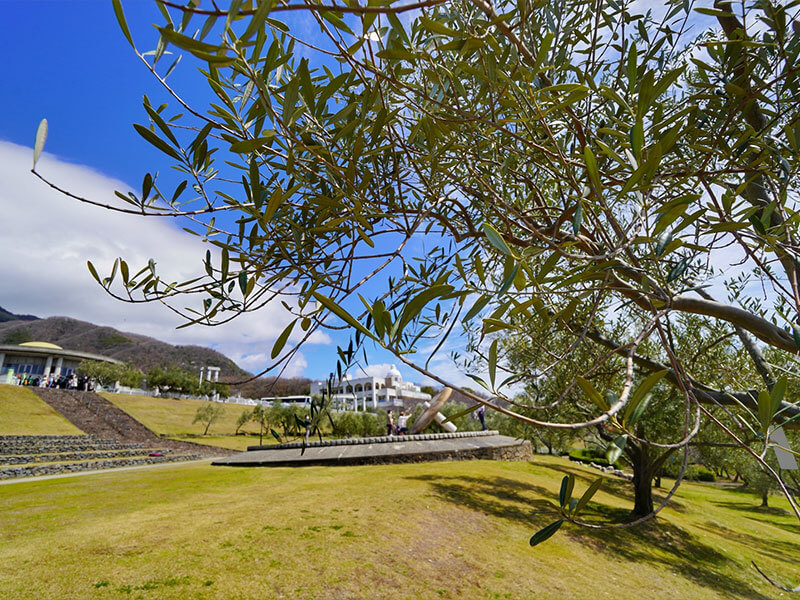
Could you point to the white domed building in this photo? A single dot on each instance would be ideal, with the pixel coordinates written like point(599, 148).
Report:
point(387, 392)
point(41, 359)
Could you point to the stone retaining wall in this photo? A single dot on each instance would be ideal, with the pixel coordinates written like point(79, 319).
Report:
point(53, 469)
point(49, 444)
point(20, 459)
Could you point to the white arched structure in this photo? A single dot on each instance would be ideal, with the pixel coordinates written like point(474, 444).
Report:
point(386, 392)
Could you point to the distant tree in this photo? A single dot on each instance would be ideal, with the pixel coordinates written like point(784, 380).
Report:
point(17, 336)
point(208, 414)
point(427, 389)
point(275, 386)
point(244, 418)
point(174, 380)
point(107, 373)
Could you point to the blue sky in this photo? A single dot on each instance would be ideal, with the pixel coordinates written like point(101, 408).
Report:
point(71, 64)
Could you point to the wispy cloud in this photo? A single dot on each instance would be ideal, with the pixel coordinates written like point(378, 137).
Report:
point(46, 239)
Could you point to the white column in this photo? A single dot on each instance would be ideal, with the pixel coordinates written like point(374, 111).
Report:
point(2, 360)
point(59, 364)
point(47, 366)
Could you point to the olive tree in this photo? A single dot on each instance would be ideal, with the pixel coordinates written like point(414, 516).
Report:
point(107, 373)
point(438, 173)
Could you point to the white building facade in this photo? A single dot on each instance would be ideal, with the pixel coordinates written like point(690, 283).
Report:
point(41, 359)
point(376, 392)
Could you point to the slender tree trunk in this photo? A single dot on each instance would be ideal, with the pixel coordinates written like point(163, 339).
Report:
point(642, 485)
point(765, 499)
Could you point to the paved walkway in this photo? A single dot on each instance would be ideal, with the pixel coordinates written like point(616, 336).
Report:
point(386, 450)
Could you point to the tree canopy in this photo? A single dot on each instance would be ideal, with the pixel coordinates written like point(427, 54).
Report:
point(444, 173)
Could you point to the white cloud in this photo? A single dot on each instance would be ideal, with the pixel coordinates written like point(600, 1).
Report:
point(376, 370)
point(46, 239)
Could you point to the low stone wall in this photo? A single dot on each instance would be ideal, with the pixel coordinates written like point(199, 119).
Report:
point(20, 459)
point(521, 451)
point(53, 469)
point(611, 470)
point(384, 439)
point(50, 444)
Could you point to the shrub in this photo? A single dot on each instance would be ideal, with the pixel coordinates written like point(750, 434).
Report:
point(699, 473)
point(359, 424)
point(693, 472)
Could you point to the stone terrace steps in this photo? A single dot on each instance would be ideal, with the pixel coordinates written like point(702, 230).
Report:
point(74, 467)
point(26, 456)
point(21, 459)
point(43, 444)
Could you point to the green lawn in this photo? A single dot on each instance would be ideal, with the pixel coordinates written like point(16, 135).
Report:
point(238, 442)
point(449, 530)
point(23, 413)
point(170, 417)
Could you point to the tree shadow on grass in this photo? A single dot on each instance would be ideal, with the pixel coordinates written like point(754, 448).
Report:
point(762, 514)
point(777, 549)
point(615, 486)
point(658, 543)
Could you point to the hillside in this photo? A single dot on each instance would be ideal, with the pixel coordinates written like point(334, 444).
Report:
point(144, 352)
point(273, 386)
point(9, 316)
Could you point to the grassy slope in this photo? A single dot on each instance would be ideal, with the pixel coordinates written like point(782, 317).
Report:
point(171, 417)
point(23, 413)
point(452, 530)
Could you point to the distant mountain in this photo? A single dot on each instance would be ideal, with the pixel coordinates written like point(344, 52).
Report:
point(144, 352)
point(9, 316)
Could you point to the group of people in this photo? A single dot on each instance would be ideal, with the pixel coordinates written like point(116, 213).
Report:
point(64, 382)
point(402, 423)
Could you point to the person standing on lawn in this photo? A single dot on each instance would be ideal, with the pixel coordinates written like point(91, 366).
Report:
point(389, 423)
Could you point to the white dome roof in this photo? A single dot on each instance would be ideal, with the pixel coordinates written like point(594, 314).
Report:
point(394, 373)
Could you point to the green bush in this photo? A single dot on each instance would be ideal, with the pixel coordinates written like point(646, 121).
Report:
point(693, 472)
point(699, 473)
point(359, 424)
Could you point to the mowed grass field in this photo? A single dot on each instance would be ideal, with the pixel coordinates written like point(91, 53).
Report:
point(431, 530)
point(173, 418)
point(23, 413)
